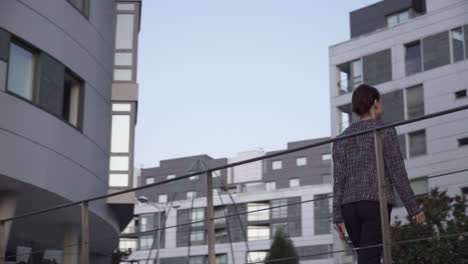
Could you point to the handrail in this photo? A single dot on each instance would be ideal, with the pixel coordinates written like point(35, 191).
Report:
point(269, 156)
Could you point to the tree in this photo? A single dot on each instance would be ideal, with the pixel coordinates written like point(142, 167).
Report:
point(282, 248)
point(444, 216)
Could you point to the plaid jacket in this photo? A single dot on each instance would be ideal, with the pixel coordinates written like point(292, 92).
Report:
point(355, 172)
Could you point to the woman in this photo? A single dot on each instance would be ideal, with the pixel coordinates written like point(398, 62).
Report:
point(356, 198)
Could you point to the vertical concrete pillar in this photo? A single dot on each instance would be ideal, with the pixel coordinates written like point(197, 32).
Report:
point(71, 246)
point(7, 210)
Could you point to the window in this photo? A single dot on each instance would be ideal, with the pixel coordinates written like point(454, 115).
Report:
point(146, 222)
point(197, 216)
point(413, 58)
point(197, 236)
point(216, 174)
point(258, 233)
point(21, 70)
point(296, 182)
point(162, 198)
point(124, 31)
point(465, 195)
point(121, 107)
point(322, 214)
point(191, 195)
point(146, 242)
point(197, 259)
point(460, 94)
point(123, 59)
point(260, 215)
point(118, 180)
point(119, 163)
point(221, 259)
point(279, 226)
point(120, 140)
point(279, 212)
point(125, 7)
point(126, 244)
point(72, 108)
point(193, 178)
point(219, 214)
point(277, 164)
point(256, 256)
point(326, 157)
point(81, 5)
point(169, 177)
point(149, 180)
point(123, 75)
point(350, 76)
point(270, 186)
point(302, 161)
point(415, 102)
point(436, 50)
point(462, 142)
point(458, 44)
point(395, 19)
point(356, 73)
point(393, 106)
point(417, 143)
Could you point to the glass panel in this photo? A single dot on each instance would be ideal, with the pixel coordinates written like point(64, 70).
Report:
point(322, 214)
point(415, 101)
point(146, 242)
point(21, 72)
point(404, 16)
point(256, 256)
point(258, 216)
point(294, 182)
point(417, 142)
point(124, 31)
point(258, 233)
point(197, 236)
point(356, 73)
point(119, 163)
point(280, 212)
point(221, 259)
point(277, 164)
point(197, 215)
point(270, 186)
point(172, 176)
point(392, 20)
point(118, 180)
point(302, 161)
point(457, 44)
point(149, 181)
point(117, 107)
point(123, 59)
point(393, 107)
point(78, 4)
point(122, 75)
point(197, 260)
point(220, 212)
point(125, 7)
point(191, 195)
point(162, 198)
point(326, 157)
point(120, 141)
point(413, 58)
point(279, 226)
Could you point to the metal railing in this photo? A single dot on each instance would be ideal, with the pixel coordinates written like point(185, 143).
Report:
point(210, 218)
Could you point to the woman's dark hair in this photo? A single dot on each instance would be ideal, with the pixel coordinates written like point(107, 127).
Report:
point(363, 98)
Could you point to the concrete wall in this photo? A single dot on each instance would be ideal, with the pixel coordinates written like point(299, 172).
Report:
point(37, 148)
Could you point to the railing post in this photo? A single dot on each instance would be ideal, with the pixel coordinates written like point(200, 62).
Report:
point(85, 233)
point(210, 221)
point(2, 242)
point(386, 239)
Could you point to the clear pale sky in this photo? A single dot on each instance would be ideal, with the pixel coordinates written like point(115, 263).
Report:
point(219, 77)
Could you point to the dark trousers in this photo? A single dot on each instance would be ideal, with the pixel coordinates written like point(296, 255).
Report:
point(362, 221)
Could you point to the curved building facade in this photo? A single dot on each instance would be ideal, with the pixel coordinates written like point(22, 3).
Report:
point(56, 94)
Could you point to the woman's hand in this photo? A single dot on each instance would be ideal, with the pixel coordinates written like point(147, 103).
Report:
point(341, 229)
point(420, 217)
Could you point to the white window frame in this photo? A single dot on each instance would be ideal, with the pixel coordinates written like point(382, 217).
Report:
point(294, 179)
point(452, 60)
point(301, 161)
point(263, 215)
point(254, 233)
point(277, 165)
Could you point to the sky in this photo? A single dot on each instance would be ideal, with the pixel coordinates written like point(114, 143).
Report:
point(220, 77)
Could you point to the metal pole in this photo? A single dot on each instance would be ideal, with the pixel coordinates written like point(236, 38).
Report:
point(158, 236)
point(386, 239)
point(210, 214)
point(2, 242)
point(84, 233)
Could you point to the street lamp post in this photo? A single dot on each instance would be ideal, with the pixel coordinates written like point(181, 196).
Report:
point(166, 209)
